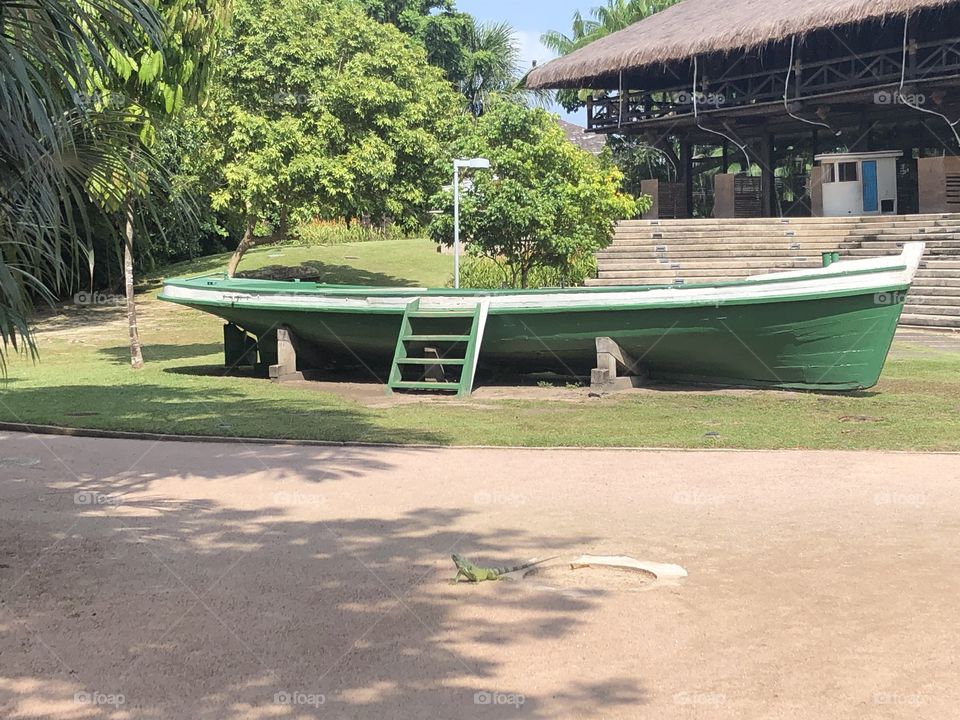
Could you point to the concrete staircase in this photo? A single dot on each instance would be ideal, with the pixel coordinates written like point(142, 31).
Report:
point(668, 252)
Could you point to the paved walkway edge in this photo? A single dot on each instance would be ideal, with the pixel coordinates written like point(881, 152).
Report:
point(161, 437)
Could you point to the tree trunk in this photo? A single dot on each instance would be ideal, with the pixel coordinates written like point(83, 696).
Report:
point(249, 241)
point(136, 354)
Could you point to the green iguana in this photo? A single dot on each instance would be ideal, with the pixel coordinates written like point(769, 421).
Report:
point(474, 574)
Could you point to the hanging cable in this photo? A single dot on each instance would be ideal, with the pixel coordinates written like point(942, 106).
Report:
point(786, 92)
point(696, 117)
point(673, 165)
point(903, 81)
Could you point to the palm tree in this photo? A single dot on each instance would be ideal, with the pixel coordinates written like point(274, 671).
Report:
point(492, 64)
point(604, 20)
point(57, 140)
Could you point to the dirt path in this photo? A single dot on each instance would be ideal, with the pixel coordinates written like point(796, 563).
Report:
point(206, 581)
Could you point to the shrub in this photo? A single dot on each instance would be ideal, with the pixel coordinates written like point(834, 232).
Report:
point(483, 273)
point(332, 232)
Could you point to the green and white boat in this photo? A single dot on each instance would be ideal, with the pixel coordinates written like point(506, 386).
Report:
point(827, 328)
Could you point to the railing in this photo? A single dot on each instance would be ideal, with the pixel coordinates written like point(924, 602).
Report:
point(926, 62)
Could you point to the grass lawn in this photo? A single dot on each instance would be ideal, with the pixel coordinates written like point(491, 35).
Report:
point(390, 262)
point(83, 380)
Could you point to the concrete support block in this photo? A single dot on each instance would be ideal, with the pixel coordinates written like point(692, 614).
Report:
point(651, 188)
point(433, 372)
point(932, 176)
point(285, 369)
point(616, 370)
point(724, 195)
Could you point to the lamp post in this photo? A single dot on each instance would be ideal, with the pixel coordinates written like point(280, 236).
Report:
point(480, 164)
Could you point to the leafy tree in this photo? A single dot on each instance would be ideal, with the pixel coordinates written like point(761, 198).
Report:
point(604, 20)
point(327, 113)
point(53, 140)
point(152, 85)
point(444, 31)
point(480, 59)
point(544, 204)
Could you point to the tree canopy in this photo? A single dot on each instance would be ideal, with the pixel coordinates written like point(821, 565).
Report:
point(327, 113)
point(544, 203)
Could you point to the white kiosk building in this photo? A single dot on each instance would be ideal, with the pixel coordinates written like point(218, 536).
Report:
point(859, 183)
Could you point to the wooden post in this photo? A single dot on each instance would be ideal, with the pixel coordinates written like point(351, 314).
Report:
point(686, 160)
point(286, 366)
point(815, 191)
point(767, 176)
point(616, 369)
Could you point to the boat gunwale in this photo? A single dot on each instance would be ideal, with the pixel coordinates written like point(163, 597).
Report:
point(292, 287)
point(252, 304)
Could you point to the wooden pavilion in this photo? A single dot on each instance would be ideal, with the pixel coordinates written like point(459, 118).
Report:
point(777, 83)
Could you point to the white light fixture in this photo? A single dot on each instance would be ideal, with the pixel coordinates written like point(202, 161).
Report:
point(478, 163)
point(471, 163)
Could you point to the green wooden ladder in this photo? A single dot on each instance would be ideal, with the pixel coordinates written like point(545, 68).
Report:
point(434, 341)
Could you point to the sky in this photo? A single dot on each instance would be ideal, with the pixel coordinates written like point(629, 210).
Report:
point(532, 18)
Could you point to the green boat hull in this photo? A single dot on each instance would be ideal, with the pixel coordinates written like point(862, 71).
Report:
point(837, 343)
point(825, 329)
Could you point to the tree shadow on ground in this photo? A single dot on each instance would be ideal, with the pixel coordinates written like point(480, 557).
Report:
point(309, 271)
point(222, 605)
point(326, 273)
point(150, 408)
point(164, 353)
point(68, 316)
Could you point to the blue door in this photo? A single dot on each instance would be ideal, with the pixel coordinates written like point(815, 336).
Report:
point(871, 196)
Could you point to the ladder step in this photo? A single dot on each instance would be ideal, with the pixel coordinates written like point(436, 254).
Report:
point(431, 361)
point(406, 385)
point(437, 338)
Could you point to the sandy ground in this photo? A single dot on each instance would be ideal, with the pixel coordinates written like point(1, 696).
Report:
point(143, 580)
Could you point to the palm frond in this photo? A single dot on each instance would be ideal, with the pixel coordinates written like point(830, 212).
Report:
point(54, 140)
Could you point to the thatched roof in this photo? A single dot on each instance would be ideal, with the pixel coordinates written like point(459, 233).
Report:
point(697, 27)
